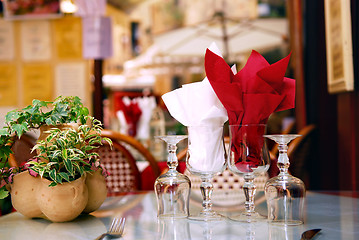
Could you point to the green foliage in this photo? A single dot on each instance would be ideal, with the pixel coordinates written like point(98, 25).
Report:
point(3, 193)
point(64, 155)
point(62, 110)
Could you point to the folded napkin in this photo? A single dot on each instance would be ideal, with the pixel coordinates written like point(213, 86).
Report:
point(196, 104)
point(255, 92)
point(146, 104)
point(206, 148)
point(130, 110)
point(251, 95)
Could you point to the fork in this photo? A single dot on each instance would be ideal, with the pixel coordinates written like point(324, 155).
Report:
point(115, 230)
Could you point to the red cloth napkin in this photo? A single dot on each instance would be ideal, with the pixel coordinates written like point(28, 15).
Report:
point(251, 95)
point(247, 146)
point(132, 113)
point(255, 92)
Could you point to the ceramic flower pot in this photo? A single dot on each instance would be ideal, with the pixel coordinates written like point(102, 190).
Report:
point(63, 202)
point(97, 190)
point(23, 192)
point(32, 196)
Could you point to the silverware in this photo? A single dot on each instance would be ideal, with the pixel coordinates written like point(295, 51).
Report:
point(310, 234)
point(115, 230)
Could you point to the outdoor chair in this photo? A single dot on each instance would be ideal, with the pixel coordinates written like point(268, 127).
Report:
point(120, 161)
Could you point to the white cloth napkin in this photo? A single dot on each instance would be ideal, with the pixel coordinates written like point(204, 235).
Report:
point(206, 148)
point(147, 104)
point(196, 104)
point(123, 126)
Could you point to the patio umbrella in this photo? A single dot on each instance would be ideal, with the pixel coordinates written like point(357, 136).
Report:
point(233, 38)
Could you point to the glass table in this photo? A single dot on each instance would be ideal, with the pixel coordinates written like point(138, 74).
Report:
point(336, 215)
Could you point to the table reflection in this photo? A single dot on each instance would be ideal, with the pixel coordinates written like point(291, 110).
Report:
point(276, 232)
point(173, 229)
point(337, 216)
point(84, 227)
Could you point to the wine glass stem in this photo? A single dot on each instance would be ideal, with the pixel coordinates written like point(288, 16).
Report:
point(206, 190)
point(207, 233)
point(249, 189)
point(283, 160)
point(172, 161)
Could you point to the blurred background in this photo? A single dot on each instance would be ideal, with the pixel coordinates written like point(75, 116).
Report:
point(120, 56)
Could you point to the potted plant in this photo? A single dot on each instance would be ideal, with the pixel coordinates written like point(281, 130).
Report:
point(66, 168)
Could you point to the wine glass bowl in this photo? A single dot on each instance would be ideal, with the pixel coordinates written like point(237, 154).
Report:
point(248, 156)
point(172, 188)
point(285, 193)
point(206, 157)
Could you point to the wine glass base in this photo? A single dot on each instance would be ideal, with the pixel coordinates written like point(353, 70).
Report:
point(248, 217)
point(172, 215)
point(286, 222)
point(207, 217)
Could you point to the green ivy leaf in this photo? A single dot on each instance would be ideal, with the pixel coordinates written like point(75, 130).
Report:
point(20, 128)
point(5, 152)
point(14, 114)
point(84, 111)
point(3, 192)
point(49, 121)
point(62, 111)
point(4, 132)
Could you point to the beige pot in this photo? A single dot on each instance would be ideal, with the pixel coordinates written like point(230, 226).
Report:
point(23, 192)
point(63, 202)
point(97, 190)
point(32, 196)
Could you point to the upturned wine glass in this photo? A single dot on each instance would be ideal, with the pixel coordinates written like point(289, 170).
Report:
point(206, 157)
point(172, 188)
point(285, 193)
point(248, 156)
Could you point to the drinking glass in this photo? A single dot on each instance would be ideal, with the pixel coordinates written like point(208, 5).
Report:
point(206, 157)
point(285, 193)
point(248, 156)
point(172, 188)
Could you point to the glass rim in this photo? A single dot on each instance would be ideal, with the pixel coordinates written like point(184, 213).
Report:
point(283, 135)
point(249, 125)
point(207, 125)
point(170, 135)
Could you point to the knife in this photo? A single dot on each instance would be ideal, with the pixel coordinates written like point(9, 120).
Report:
point(310, 234)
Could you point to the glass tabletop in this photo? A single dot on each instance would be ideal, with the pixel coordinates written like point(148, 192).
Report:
point(336, 215)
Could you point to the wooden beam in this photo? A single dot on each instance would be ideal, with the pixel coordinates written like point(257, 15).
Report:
point(294, 8)
point(98, 90)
